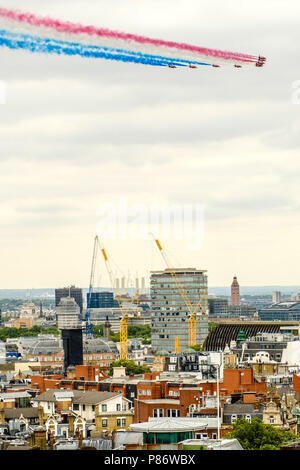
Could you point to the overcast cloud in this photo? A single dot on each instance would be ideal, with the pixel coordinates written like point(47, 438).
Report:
point(78, 133)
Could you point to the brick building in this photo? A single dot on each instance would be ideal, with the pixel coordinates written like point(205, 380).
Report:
point(296, 383)
point(56, 359)
point(235, 292)
point(81, 377)
point(107, 411)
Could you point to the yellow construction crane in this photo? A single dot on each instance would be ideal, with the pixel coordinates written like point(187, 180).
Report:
point(192, 320)
point(123, 322)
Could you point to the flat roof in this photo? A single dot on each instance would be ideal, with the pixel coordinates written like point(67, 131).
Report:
point(179, 270)
point(165, 401)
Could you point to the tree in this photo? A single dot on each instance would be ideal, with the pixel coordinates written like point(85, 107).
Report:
point(139, 331)
point(11, 332)
point(135, 331)
point(212, 326)
point(131, 367)
point(197, 347)
point(256, 435)
point(146, 341)
point(115, 337)
point(98, 330)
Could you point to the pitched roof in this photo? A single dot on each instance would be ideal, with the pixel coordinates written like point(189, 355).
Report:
point(64, 394)
point(14, 395)
point(239, 408)
point(46, 396)
point(79, 397)
point(13, 413)
point(93, 398)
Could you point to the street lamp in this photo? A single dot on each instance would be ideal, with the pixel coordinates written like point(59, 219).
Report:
point(218, 399)
point(218, 366)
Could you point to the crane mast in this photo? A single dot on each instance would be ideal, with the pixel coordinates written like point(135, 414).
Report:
point(192, 325)
point(123, 322)
point(88, 324)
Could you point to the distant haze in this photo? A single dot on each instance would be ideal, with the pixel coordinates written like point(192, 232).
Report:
point(244, 290)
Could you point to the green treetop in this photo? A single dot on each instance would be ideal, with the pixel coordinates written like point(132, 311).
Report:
point(256, 435)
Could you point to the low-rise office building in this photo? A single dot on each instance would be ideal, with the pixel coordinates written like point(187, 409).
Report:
point(283, 311)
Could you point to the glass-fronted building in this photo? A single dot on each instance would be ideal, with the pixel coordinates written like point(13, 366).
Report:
point(283, 311)
point(101, 300)
point(217, 306)
point(170, 314)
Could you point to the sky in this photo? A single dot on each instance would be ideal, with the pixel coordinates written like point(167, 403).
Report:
point(84, 142)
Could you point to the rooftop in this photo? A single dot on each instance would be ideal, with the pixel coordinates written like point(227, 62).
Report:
point(165, 401)
point(169, 425)
point(77, 396)
point(178, 271)
point(213, 444)
point(13, 413)
point(238, 408)
point(14, 395)
point(284, 305)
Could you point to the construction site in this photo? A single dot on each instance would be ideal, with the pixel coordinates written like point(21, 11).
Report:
point(176, 309)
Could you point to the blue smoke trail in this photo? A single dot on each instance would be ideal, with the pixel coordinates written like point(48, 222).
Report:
point(52, 46)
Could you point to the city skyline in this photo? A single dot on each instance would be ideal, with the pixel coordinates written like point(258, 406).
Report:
point(76, 135)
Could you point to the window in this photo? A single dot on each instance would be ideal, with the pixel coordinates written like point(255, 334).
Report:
point(173, 413)
point(233, 418)
point(149, 392)
point(104, 423)
point(75, 406)
point(103, 407)
point(118, 407)
point(271, 419)
point(248, 418)
point(121, 422)
point(214, 436)
point(158, 413)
